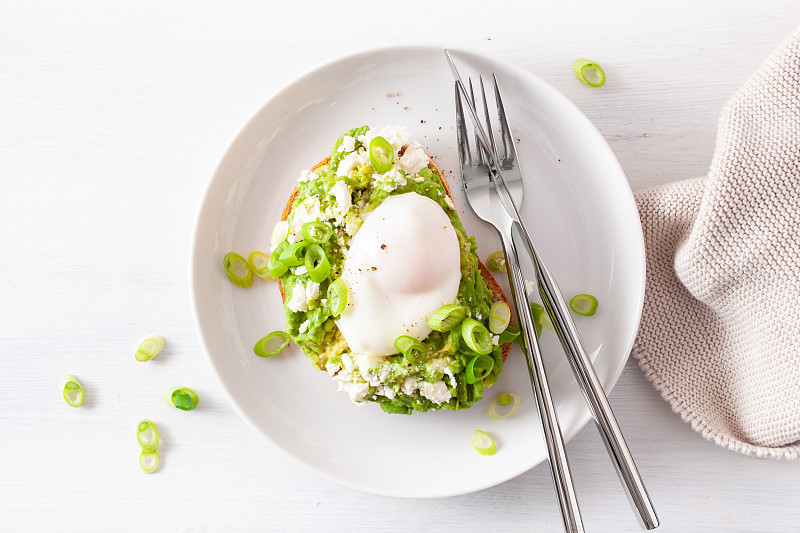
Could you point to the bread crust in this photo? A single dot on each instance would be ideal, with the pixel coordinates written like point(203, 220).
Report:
point(497, 291)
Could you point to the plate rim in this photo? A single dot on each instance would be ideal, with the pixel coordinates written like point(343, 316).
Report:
point(244, 130)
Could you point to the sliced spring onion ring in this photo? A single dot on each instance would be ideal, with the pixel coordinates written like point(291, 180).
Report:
point(238, 269)
point(478, 368)
point(147, 435)
point(182, 398)
point(317, 232)
point(149, 348)
point(259, 263)
point(483, 443)
point(476, 336)
point(589, 72)
point(447, 317)
point(275, 266)
point(497, 262)
point(294, 254)
point(505, 399)
point(499, 317)
point(272, 344)
point(337, 297)
point(381, 154)
point(280, 232)
point(411, 348)
point(317, 264)
point(148, 461)
point(583, 304)
point(72, 390)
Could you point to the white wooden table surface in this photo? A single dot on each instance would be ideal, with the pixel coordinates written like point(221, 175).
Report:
point(112, 118)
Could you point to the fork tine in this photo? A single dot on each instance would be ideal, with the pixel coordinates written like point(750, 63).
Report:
point(461, 132)
point(488, 119)
point(505, 129)
point(481, 158)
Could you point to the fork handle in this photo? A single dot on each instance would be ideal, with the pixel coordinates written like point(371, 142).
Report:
point(595, 396)
point(559, 465)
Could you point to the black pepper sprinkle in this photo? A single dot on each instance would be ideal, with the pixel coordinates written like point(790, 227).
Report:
point(374, 268)
point(383, 246)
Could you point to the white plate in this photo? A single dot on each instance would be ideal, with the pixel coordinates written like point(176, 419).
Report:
point(578, 207)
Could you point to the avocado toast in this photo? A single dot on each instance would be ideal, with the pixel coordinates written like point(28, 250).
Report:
point(338, 195)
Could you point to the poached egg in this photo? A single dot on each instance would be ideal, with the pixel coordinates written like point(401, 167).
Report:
point(403, 264)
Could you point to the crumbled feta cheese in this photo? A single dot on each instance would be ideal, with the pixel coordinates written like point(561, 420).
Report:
point(366, 363)
point(307, 175)
point(437, 365)
point(347, 361)
point(298, 301)
point(410, 385)
point(436, 392)
point(495, 339)
point(356, 390)
point(304, 326)
point(348, 144)
point(299, 271)
point(397, 136)
point(386, 391)
point(413, 159)
point(307, 211)
point(419, 179)
point(332, 368)
point(449, 202)
point(312, 291)
point(346, 165)
point(343, 195)
point(452, 377)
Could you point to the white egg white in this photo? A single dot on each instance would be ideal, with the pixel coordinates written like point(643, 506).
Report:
point(402, 265)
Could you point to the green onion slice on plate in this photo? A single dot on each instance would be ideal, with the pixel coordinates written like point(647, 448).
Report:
point(583, 304)
point(272, 344)
point(412, 349)
point(476, 336)
point(72, 390)
point(238, 269)
point(504, 399)
point(181, 398)
point(337, 297)
point(149, 348)
point(147, 435)
point(317, 264)
point(447, 317)
point(499, 317)
point(381, 154)
point(148, 461)
point(497, 262)
point(484, 443)
point(589, 72)
point(280, 232)
point(259, 263)
point(478, 368)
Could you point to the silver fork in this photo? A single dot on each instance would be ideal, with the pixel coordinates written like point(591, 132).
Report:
point(484, 201)
point(509, 173)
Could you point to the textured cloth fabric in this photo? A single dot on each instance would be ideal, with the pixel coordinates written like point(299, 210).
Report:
point(720, 330)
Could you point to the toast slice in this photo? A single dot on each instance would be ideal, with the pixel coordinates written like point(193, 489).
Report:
point(497, 292)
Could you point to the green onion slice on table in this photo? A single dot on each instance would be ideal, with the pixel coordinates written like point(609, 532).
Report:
point(276, 267)
point(238, 269)
point(272, 344)
point(72, 390)
point(317, 264)
point(484, 443)
point(317, 232)
point(447, 317)
point(589, 72)
point(381, 154)
point(181, 398)
point(149, 348)
point(497, 262)
point(476, 336)
point(259, 263)
point(412, 349)
point(147, 435)
point(337, 297)
point(504, 399)
point(148, 461)
point(499, 317)
point(478, 368)
point(583, 304)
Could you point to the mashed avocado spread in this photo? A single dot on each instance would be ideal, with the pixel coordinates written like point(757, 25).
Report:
point(342, 192)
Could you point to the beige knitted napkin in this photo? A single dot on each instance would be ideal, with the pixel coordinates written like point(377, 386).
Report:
point(720, 331)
